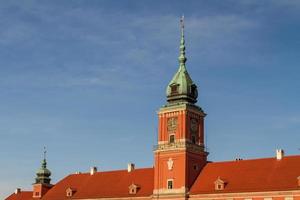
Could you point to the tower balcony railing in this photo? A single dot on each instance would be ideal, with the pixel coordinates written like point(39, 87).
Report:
point(180, 145)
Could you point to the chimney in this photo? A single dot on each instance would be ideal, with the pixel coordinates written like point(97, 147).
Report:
point(18, 191)
point(130, 167)
point(279, 154)
point(93, 170)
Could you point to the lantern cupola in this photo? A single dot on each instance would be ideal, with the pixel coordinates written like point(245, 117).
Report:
point(43, 174)
point(181, 88)
point(42, 181)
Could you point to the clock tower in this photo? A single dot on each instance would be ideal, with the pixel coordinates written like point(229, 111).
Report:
point(179, 155)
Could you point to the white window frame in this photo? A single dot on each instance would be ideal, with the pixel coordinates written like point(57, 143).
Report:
point(170, 180)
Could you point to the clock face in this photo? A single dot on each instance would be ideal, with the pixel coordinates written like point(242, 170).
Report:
point(194, 125)
point(172, 124)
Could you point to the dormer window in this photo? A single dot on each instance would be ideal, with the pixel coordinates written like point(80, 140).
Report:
point(70, 192)
point(219, 187)
point(133, 188)
point(174, 89)
point(219, 184)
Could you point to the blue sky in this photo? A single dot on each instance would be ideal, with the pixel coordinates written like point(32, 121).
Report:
point(85, 78)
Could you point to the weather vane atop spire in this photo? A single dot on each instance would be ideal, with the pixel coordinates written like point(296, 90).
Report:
point(182, 58)
point(45, 152)
point(182, 23)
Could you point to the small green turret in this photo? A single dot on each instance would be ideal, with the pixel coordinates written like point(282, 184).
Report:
point(181, 88)
point(43, 174)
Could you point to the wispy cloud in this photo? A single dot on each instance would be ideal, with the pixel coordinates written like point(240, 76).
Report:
point(118, 51)
point(295, 120)
point(70, 70)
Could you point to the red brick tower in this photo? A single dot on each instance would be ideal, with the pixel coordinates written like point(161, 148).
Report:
point(180, 154)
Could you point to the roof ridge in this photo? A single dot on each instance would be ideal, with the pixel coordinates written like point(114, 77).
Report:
point(117, 170)
point(24, 191)
point(252, 159)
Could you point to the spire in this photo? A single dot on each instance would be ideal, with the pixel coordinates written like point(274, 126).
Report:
point(181, 88)
point(44, 163)
point(182, 58)
point(45, 153)
point(43, 174)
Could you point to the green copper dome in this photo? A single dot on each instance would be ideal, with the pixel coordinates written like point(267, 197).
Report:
point(43, 174)
point(181, 88)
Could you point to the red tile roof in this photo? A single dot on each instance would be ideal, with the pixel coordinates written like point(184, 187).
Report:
point(258, 175)
point(104, 184)
point(267, 174)
point(23, 195)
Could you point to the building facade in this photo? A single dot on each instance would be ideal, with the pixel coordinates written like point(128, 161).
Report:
point(181, 170)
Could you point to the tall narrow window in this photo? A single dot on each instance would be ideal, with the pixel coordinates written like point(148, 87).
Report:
point(195, 167)
point(172, 138)
point(193, 139)
point(194, 91)
point(170, 184)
